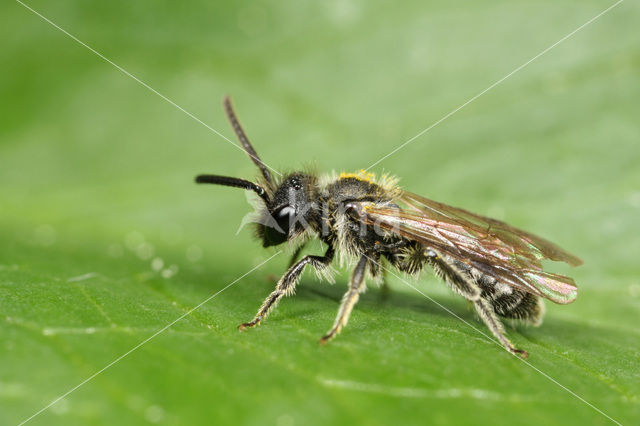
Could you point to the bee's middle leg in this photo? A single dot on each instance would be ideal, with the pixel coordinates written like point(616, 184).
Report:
point(287, 285)
point(350, 298)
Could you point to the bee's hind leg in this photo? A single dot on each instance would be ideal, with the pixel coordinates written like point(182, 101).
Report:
point(488, 315)
point(461, 280)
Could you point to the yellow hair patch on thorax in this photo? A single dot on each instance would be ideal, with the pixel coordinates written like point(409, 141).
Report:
point(361, 175)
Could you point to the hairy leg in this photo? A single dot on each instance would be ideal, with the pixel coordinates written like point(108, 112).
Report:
point(488, 315)
point(464, 283)
point(350, 298)
point(287, 284)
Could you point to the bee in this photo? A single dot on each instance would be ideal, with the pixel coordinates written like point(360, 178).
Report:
point(372, 222)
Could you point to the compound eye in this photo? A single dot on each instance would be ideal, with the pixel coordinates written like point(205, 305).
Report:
point(286, 211)
point(284, 217)
point(278, 234)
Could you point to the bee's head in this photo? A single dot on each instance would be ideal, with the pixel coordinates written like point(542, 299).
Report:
point(288, 212)
point(288, 205)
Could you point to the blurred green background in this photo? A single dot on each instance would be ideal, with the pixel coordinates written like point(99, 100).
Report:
point(105, 239)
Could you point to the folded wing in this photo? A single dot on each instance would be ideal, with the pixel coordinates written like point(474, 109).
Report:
point(510, 255)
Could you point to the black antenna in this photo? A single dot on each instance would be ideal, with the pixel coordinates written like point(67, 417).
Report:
point(242, 137)
point(235, 182)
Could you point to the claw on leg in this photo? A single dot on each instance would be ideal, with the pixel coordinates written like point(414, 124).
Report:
point(249, 324)
point(523, 354)
point(330, 335)
point(324, 339)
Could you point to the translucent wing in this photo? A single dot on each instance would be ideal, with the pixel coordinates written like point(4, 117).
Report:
point(508, 254)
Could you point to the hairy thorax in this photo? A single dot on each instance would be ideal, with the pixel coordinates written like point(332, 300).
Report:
point(341, 225)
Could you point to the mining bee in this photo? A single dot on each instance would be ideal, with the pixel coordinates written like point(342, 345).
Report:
point(371, 222)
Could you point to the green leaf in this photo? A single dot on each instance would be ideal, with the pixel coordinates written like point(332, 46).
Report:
point(106, 240)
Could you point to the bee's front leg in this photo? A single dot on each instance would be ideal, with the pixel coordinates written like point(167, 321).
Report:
point(287, 285)
point(350, 298)
point(296, 254)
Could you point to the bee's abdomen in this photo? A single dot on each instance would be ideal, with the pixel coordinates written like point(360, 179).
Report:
point(507, 301)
